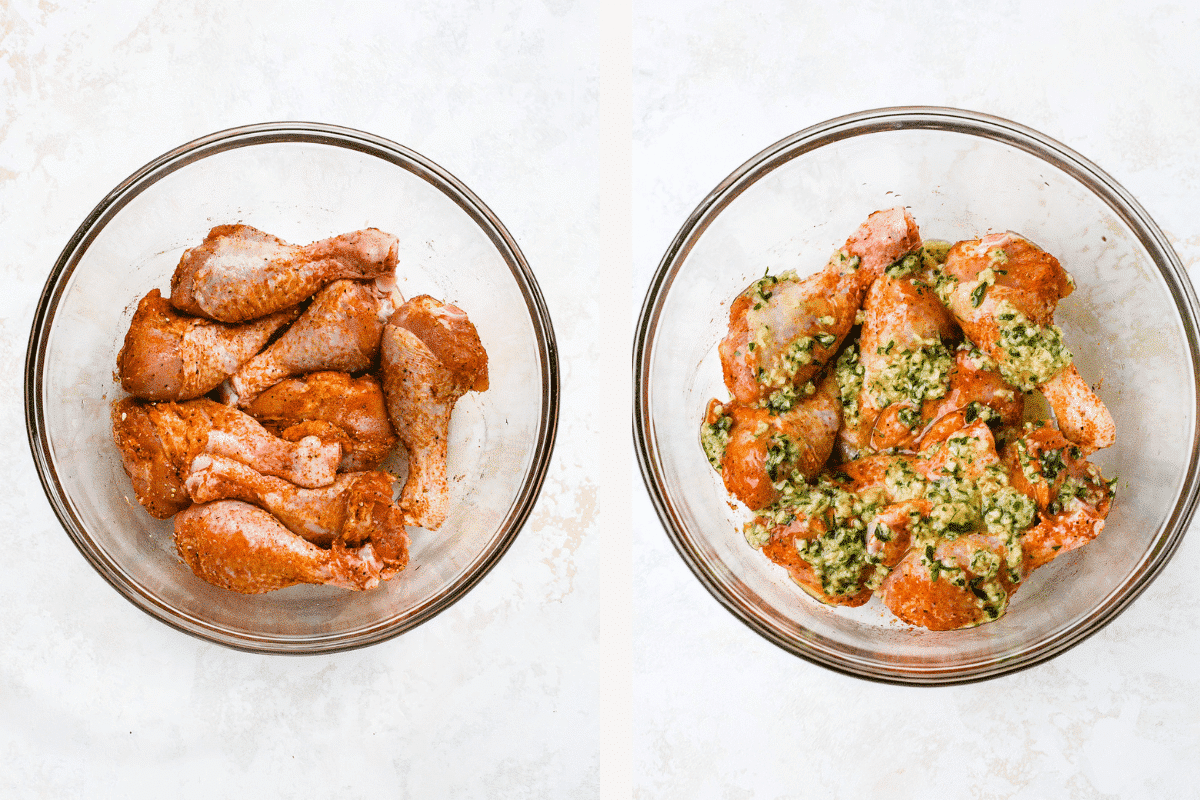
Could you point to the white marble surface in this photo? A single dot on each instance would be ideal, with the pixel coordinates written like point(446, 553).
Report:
point(720, 712)
point(499, 695)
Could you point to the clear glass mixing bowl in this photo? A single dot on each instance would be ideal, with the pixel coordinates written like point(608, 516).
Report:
point(1131, 324)
point(301, 182)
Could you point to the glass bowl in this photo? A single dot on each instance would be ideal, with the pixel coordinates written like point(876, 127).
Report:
point(301, 182)
point(1131, 324)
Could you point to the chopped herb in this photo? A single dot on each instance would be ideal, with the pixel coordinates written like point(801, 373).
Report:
point(977, 295)
point(782, 400)
point(977, 410)
point(1036, 353)
point(906, 265)
point(781, 452)
point(825, 339)
point(1052, 464)
point(849, 374)
point(912, 375)
point(714, 438)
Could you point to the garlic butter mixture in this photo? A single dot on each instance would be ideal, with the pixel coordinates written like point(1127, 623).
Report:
point(877, 423)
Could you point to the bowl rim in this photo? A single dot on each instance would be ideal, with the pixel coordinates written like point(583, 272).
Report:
point(867, 122)
point(277, 133)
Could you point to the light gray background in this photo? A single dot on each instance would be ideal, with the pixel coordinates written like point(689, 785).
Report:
point(718, 711)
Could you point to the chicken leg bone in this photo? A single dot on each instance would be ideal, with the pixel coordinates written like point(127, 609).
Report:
point(1003, 290)
point(339, 331)
point(431, 355)
point(240, 547)
point(159, 441)
point(240, 273)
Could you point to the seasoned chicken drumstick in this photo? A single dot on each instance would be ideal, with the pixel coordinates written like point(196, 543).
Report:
point(964, 565)
point(168, 356)
point(159, 441)
point(334, 407)
point(1072, 497)
point(755, 449)
point(782, 330)
point(240, 273)
point(340, 331)
point(908, 382)
point(354, 509)
point(1003, 289)
point(238, 546)
point(430, 356)
point(902, 359)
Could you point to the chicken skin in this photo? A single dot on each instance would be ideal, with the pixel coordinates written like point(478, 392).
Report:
point(354, 509)
point(334, 407)
point(430, 356)
point(240, 547)
point(783, 330)
point(1081, 415)
point(918, 593)
point(918, 505)
point(1003, 290)
point(761, 448)
point(972, 391)
point(159, 441)
point(1072, 497)
point(903, 356)
point(240, 273)
point(340, 331)
point(169, 356)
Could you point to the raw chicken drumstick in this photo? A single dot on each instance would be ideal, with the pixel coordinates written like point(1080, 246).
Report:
point(354, 509)
point(340, 330)
point(783, 330)
point(754, 448)
point(971, 392)
point(334, 407)
point(1003, 290)
point(159, 441)
point(909, 526)
point(959, 579)
point(431, 355)
point(1072, 497)
point(902, 353)
point(905, 381)
point(240, 273)
point(238, 546)
point(939, 604)
point(169, 356)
